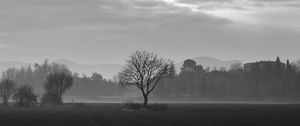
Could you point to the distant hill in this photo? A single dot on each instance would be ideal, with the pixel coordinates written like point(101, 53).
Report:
point(210, 62)
point(109, 70)
point(106, 70)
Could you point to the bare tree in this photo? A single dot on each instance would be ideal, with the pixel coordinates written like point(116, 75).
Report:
point(144, 70)
point(7, 89)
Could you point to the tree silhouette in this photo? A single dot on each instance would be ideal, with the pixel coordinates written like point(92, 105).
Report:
point(55, 86)
point(97, 76)
point(188, 65)
point(7, 88)
point(144, 70)
point(25, 96)
point(87, 86)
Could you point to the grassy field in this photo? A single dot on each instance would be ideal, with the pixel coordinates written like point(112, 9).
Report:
point(175, 115)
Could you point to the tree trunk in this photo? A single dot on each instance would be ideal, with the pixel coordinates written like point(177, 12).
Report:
point(5, 102)
point(145, 101)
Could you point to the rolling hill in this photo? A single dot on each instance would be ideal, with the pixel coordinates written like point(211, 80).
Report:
point(210, 62)
point(109, 70)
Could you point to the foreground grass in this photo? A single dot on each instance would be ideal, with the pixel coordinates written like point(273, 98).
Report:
point(175, 115)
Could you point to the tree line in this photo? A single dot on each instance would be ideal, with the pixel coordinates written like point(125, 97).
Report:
point(85, 86)
point(47, 82)
point(55, 86)
point(155, 76)
point(263, 81)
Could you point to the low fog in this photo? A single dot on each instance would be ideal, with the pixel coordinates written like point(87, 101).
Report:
point(255, 82)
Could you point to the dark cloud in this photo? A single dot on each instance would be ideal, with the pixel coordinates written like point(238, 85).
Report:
point(203, 1)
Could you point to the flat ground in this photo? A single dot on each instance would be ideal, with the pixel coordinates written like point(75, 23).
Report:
point(175, 115)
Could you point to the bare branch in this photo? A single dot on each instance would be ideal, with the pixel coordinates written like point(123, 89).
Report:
point(144, 70)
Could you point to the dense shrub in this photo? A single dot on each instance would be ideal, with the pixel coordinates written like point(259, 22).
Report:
point(25, 96)
point(56, 85)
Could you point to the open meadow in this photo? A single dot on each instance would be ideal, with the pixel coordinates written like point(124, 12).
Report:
point(174, 115)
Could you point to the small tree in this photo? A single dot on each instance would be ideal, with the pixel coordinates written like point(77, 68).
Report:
point(7, 89)
point(144, 70)
point(25, 96)
point(97, 77)
point(188, 66)
point(56, 85)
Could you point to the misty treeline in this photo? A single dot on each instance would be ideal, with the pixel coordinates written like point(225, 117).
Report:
point(83, 86)
point(56, 84)
point(260, 81)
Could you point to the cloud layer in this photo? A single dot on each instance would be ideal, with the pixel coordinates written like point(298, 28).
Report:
point(81, 30)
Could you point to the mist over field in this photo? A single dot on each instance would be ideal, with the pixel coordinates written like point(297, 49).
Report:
point(216, 81)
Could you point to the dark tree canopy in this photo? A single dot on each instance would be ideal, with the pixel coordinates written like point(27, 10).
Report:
point(56, 85)
point(97, 76)
point(188, 65)
point(7, 89)
point(277, 60)
point(145, 70)
point(25, 96)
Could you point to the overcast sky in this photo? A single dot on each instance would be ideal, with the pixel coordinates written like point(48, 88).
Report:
point(107, 31)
